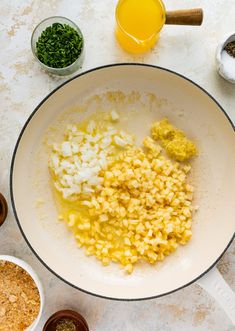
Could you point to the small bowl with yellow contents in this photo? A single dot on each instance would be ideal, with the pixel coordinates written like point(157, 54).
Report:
point(57, 44)
point(21, 295)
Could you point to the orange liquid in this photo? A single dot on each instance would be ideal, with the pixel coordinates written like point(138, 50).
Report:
point(138, 24)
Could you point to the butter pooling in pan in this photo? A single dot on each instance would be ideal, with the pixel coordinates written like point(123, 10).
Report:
point(124, 203)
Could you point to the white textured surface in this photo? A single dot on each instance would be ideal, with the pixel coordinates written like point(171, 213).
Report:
point(23, 84)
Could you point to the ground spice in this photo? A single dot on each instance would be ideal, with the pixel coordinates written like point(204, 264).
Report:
point(65, 324)
point(19, 298)
point(230, 48)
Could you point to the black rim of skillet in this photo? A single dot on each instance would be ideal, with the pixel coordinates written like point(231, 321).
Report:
point(12, 169)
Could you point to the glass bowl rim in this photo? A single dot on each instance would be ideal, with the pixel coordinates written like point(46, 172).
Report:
point(33, 50)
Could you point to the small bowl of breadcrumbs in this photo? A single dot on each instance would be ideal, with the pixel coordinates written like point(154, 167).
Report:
point(21, 295)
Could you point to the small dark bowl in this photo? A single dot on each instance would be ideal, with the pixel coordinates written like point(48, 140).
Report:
point(78, 320)
point(3, 209)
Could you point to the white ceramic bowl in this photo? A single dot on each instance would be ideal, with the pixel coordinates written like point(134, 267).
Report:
point(34, 276)
point(229, 76)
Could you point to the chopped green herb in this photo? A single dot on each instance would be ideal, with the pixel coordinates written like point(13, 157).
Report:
point(59, 45)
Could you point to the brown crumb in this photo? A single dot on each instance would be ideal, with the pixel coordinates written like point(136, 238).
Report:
point(19, 298)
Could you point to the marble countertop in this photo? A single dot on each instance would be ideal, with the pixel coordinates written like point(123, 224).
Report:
point(188, 50)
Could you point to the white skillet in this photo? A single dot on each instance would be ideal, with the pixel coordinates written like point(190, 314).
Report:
point(214, 224)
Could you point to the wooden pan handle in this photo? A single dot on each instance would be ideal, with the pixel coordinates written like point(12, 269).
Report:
point(185, 17)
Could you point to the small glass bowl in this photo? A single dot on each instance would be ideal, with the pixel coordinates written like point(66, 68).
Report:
point(36, 34)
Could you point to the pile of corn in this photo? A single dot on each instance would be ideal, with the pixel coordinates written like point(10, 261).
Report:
point(143, 211)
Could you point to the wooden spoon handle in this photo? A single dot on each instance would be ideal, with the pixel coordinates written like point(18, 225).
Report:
point(185, 17)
